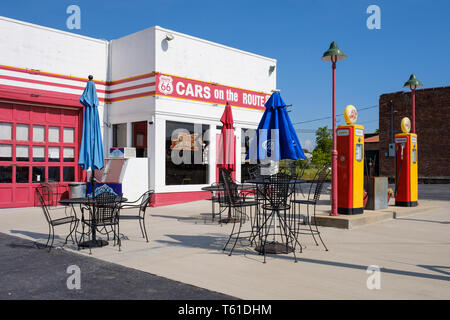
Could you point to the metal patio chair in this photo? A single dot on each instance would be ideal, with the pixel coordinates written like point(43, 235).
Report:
point(52, 223)
point(315, 191)
point(104, 213)
point(141, 203)
point(238, 207)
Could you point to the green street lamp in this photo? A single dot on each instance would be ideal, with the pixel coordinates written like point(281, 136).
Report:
point(413, 83)
point(334, 54)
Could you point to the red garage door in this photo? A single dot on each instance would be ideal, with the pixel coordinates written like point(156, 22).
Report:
point(37, 144)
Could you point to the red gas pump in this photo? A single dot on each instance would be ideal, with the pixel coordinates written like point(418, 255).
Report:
point(350, 147)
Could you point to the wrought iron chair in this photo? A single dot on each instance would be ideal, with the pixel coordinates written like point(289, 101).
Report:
point(276, 190)
point(52, 223)
point(218, 197)
point(238, 208)
point(105, 213)
point(314, 194)
point(142, 203)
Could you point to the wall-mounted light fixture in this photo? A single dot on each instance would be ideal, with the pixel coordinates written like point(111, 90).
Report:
point(169, 37)
point(271, 69)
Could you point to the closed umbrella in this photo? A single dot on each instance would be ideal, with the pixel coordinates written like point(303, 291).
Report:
point(91, 149)
point(227, 148)
point(227, 152)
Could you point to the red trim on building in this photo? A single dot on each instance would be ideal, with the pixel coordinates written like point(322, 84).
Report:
point(164, 199)
point(149, 84)
point(48, 74)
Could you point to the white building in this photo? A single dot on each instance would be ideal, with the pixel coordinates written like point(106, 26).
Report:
point(149, 84)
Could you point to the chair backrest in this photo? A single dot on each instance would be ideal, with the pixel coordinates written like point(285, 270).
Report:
point(106, 207)
point(146, 197)
point(319, 180)
point(43, 204)
point(49, 192)
point(277, 189)
point(231, 192)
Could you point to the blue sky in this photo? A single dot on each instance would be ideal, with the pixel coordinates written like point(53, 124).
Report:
point(413, 39)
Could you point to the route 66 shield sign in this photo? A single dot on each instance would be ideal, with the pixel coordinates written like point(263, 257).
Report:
point(165, 84)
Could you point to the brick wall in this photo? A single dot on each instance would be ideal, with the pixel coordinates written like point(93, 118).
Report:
point(432, 128)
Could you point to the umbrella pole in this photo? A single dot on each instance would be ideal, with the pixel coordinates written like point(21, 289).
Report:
point(94, 238)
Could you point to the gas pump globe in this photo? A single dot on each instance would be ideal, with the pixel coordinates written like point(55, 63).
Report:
point(406, 166)
point(350, 147)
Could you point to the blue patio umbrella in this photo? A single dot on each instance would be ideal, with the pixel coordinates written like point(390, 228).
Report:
point(275, 137)
point(91, 149)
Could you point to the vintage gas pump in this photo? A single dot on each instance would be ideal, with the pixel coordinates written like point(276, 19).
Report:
point(406, 173)
point(350, 148)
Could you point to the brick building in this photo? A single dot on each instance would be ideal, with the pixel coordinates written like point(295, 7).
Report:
point(432, 128)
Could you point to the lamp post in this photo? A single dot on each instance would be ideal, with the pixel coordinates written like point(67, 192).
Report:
point(334, 54)
point(413, 83)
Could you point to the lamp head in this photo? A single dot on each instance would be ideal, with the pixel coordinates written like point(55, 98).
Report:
point(413, 82)
point(333, 51)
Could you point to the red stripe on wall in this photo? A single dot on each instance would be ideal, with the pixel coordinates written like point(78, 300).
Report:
point(143, 76)
point(131, 88)
point(40, 96)
point(54, 84)
point(132, 96)
point(48, 74)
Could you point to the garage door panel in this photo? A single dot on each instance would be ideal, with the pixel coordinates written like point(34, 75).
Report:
point(69, 116)
point(6, 195)
point(39, 114)
point(23, 195)
point(6, 113)
point(53, 115)
point(22, 113)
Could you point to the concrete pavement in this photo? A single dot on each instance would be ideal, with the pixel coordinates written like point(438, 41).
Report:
point(412, 252)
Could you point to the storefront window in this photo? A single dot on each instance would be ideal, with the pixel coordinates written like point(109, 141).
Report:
point(119, 135)
point(140, 138)
point(246, 136)
point(186, 153)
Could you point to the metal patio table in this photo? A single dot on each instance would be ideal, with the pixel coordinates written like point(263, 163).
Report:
point(221, 188)
point(89, 202)
point(287, 221)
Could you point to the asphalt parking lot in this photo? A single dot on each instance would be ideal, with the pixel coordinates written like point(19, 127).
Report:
point(27, 272)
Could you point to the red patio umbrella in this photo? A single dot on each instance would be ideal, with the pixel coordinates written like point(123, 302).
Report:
point(227, 154)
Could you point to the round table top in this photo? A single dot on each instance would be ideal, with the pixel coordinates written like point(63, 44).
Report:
point(221, 187)
point(86, 200)
point(262, 180)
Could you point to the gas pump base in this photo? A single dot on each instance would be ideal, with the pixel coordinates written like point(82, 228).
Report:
point(350, 210)
point(406, 203)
